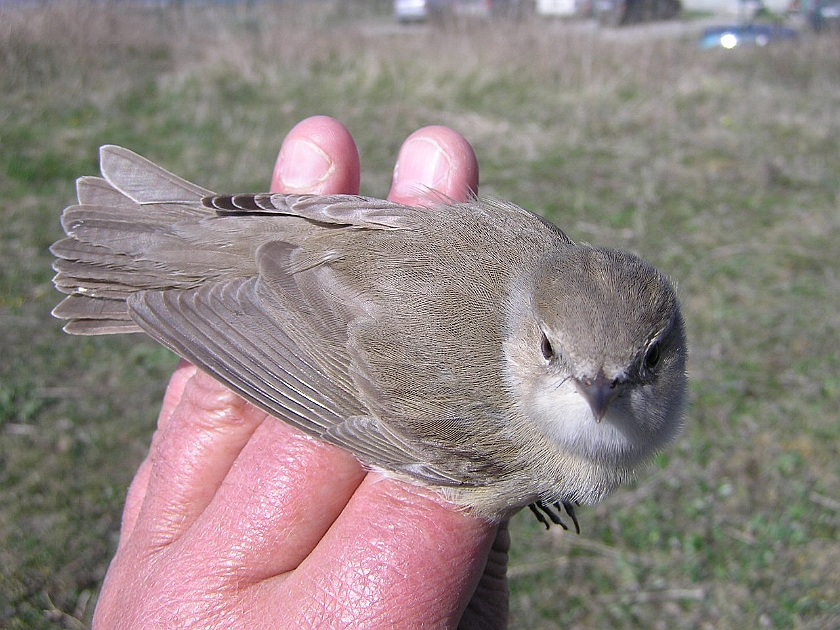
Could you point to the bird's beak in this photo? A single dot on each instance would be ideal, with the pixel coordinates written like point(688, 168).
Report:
point(599, 393)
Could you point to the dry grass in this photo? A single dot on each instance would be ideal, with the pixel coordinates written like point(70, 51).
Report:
point(721, 167)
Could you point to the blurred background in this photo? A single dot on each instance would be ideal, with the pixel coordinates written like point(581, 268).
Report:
point(717, 161)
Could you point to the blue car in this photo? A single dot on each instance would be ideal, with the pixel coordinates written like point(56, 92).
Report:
point(746, 35)
point(825, 16)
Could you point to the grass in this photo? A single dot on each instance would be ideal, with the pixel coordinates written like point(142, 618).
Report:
point(722, 167)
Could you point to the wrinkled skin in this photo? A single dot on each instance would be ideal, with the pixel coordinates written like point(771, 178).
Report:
point(236, 520)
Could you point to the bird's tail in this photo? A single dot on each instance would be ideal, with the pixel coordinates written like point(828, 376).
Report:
point(127, 234)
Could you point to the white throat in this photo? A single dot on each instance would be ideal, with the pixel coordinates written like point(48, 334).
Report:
point(565, 416)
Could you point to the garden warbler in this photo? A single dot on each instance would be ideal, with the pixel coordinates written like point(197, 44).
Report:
point(471, 347)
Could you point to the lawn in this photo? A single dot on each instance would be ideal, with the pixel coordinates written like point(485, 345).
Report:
point(721, 167)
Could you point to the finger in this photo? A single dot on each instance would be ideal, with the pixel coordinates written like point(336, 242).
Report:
point(191, 455)
point(400, 552)
point(139, 485)
point(134, 501)
point(434, 160)
point(318, 156)
point(175, 391)
point(489, 605)
point(282, 494)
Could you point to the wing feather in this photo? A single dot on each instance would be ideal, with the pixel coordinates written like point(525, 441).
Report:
point(225, 331)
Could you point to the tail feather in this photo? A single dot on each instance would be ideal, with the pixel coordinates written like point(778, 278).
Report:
point(95, 316)
point(123, 238)
point(143, 181)
point(96, 191)
point(80, 221)
point(90, 327)
point(94, 279)
point(140, 228)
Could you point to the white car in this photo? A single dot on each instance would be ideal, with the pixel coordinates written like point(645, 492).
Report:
point(411, 10)
point(558, 8)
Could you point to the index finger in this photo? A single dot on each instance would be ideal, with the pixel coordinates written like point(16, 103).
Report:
point(434, 161)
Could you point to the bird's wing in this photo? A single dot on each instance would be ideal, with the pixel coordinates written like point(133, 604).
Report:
point(225, 329)
point(281, 342)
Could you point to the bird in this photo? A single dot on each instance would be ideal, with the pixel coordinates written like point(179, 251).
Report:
point(469, 347)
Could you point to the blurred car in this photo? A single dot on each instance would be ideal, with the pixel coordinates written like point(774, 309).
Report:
point(746, 35)
point(622, 12)
point(406, 11)
point(471, 8)
point(556, 8)
point(562, 8)
point(411, 10)
point(825, 16)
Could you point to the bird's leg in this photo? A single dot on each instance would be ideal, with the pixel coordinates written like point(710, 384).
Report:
point(539, 515)
point(541, 510)
point(570, 510)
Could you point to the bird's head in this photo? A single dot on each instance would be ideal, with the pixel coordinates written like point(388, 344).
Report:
point(597, 351)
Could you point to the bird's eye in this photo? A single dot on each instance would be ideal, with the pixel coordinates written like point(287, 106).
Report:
point(652, 356)
point(545, 348)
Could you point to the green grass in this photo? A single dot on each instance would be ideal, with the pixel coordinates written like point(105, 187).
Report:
point(721, 167)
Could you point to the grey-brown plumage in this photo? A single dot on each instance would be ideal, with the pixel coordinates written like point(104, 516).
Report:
point(470, 347)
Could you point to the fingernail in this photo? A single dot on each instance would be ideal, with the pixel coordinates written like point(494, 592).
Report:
point(302, 166)
point(422, 165)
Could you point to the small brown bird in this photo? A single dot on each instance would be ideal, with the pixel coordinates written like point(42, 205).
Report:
point(472, 347)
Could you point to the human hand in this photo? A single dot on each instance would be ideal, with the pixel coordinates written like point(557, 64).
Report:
point(233, 521)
